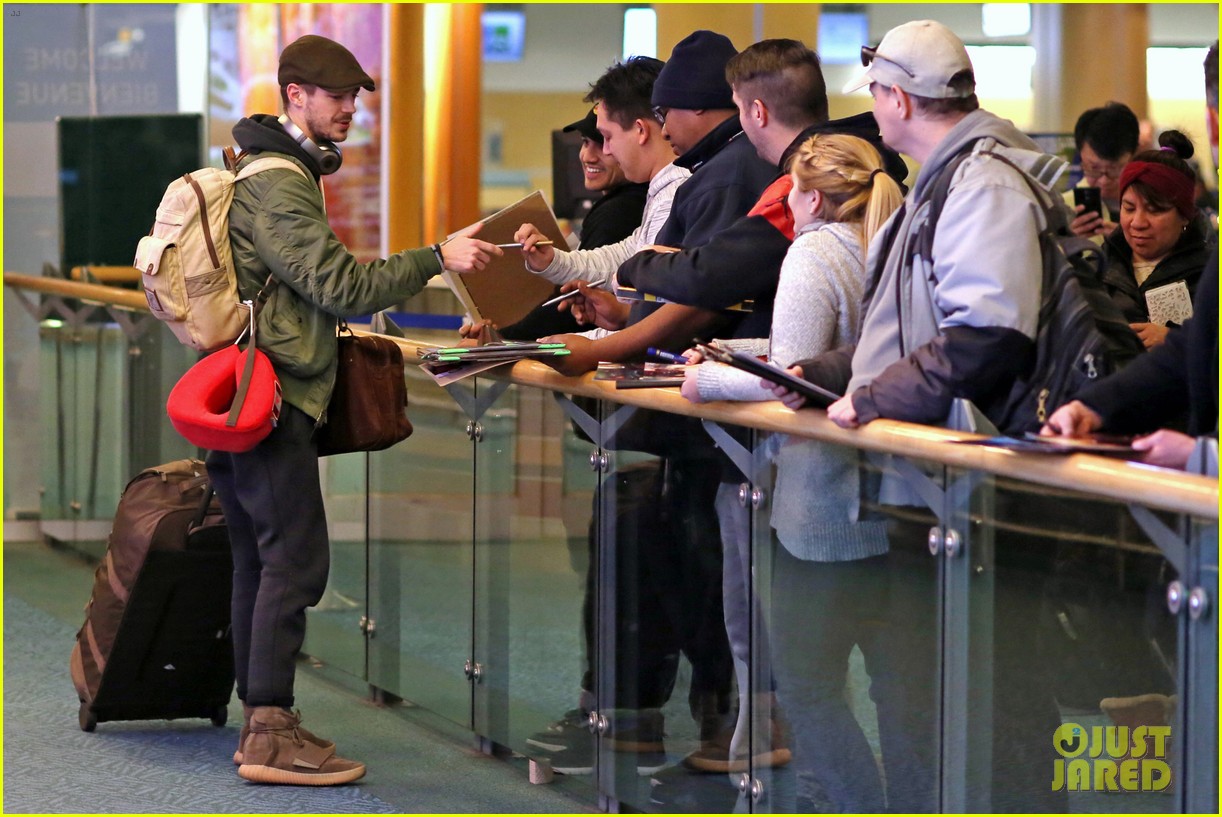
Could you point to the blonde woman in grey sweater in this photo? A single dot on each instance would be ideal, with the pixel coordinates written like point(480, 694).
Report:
point(840, 197)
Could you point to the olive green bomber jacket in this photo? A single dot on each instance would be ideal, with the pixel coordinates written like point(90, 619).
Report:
point(277, 225)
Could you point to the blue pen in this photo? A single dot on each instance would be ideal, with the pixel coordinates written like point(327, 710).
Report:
point(667, 356)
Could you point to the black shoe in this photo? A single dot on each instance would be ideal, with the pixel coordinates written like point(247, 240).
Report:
point(578, 758)
point(679, 790)
point(572, 729)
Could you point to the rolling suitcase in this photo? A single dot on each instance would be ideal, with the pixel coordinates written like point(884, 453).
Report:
point(156, 640)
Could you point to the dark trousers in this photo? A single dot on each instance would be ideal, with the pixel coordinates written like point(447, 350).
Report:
point(281, 554)
point(667, 590)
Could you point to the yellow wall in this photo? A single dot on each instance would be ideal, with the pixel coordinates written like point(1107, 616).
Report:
point(1188, 117)
point(525, 122)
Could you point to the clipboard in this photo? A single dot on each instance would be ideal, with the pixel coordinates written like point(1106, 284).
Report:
point(815, 395)
point(505, 291)
point(1101, 444)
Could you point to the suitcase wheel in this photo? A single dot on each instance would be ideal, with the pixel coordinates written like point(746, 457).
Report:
point(87, 719)
point(218, 717)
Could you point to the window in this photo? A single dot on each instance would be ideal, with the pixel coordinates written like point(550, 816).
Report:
point(1002, 71)
point(1005, 19)
point(640, 33)
point(1175, 73)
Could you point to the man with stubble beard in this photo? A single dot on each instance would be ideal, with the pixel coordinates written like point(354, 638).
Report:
point(285, 251)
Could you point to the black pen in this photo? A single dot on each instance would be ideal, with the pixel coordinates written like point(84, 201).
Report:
point(669, 357)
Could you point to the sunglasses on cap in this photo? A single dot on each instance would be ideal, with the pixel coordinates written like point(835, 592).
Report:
point(870, 54)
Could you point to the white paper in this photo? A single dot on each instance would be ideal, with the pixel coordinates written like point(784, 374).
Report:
point(1170, 303)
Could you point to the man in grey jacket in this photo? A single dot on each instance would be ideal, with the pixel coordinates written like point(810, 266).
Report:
point(283, 247)
point(960, 323)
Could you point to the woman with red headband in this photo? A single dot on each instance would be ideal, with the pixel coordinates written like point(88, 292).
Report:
point(1155, 259)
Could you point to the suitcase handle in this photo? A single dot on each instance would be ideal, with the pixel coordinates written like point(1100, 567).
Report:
point(188, 485)
point(202, 512)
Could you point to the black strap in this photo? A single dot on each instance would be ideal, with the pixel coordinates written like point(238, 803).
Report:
point(922, 242)
point(202, 512)
point(239, 398)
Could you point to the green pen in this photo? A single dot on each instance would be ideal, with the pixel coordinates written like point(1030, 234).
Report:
point(463, 359)
point(466, 350)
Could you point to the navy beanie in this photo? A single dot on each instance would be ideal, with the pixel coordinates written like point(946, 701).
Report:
point(695, 75)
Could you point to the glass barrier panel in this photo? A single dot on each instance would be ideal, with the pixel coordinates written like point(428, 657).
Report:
point(101, 420)
point(63, 464)
point(1200, 662)
point(763, 748)
point(1060, 649)
point(421, 557)
point(670, 697)
point(335, 630)
point(534, 493)
point(847, 720)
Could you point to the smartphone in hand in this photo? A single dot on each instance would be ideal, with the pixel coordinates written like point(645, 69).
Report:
point(1090, 198)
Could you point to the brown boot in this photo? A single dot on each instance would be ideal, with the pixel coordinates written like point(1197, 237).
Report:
point(1152, 709)
point(304, 733)
point(276, 752)
point(771, 749)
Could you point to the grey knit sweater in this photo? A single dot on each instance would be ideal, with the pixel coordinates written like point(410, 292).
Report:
point(817, 308)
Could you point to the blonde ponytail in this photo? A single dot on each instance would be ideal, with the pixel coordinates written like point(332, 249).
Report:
point(849, 172)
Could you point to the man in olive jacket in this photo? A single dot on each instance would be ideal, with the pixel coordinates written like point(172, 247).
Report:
point(271, 495)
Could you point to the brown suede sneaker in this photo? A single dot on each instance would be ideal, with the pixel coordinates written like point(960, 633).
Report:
point(276, 752)
point(304, 733)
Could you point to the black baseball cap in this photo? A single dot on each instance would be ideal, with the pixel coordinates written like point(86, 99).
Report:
point(315, 60)
point(586, 126)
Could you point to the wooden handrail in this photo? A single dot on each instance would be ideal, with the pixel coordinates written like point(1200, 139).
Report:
point(93, 293)
point(1160, 488)
point(1118, 480)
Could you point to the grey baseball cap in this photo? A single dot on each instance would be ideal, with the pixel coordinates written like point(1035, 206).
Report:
point(921, 57)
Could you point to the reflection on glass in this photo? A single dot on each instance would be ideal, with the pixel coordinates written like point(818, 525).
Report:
point(854, 636)
point(1083, 655)
point(671, 716)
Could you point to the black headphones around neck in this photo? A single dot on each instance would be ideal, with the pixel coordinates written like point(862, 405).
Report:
point(326, 154)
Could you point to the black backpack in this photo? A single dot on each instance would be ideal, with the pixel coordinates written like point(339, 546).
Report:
point(1081, 335)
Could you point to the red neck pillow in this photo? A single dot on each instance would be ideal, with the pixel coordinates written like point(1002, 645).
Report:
point(199, 403)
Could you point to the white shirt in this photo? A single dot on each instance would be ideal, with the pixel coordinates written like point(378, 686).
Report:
point(598, 266)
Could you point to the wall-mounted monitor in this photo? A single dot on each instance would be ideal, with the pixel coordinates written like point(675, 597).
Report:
point(841, 36)
point(504, 35)
point(113, 171)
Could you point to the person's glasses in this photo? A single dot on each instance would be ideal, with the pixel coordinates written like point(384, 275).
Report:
point(659, 113)
point(1109, 171)
point(869, 55)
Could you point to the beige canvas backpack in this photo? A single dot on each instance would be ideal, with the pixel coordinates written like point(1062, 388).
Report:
point(185, 262)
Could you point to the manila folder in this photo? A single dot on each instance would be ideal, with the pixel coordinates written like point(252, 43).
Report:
point(505, 291)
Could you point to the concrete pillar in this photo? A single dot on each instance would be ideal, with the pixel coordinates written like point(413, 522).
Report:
point(1099, 56)
point(404, 127)
point(677, 20)
point(743, 23)
point(795, 21)
point(452, 78)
